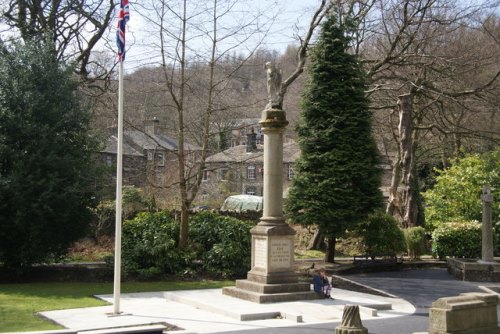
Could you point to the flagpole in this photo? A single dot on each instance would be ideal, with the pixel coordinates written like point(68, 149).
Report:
point(119, 170)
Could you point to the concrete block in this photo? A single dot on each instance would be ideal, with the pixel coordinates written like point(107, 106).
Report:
point(470, 313)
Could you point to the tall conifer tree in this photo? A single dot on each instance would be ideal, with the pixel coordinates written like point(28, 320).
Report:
point(47, 178)
point(337, 179)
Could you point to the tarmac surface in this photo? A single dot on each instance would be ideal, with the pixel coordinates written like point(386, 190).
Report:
point(209, 311)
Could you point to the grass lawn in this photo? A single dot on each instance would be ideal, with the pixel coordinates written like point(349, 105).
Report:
point(20, 302)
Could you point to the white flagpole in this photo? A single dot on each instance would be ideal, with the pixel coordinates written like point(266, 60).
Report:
point(119, 169)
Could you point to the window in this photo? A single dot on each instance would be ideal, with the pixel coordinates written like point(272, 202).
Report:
point(205, 175)
point(160, 158)
point(204, 196)
point(291, 171)
point(250, 190)
point(251, 172)
point(150, 155)
point(224, 174)
point(109, 160)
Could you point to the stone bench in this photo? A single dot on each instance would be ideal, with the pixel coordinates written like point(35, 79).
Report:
point(377, 258)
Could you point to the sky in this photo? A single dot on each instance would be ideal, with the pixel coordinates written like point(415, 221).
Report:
point(288, 16)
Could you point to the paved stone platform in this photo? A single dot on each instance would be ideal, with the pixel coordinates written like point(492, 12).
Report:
point(209, 311)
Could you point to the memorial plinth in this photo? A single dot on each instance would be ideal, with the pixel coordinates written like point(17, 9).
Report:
point(272, 277)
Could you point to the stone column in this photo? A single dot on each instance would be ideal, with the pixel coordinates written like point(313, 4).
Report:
point(487, 229)
point(272, 277)
point(272, 238)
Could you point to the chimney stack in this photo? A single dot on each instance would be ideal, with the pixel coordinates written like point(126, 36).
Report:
point(251, 141)
point(152, 126)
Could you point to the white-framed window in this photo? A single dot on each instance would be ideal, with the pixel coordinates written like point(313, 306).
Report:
point(204, 196)
point(251, 172)
point(150, 155)
point(160, 159)
point(291, 171)
point(205, 175)
point(250, 190)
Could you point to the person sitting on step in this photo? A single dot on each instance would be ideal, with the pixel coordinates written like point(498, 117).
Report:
point(321, 284)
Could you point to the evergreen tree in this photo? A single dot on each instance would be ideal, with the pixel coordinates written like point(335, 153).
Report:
point(46, 169)
point(337, 180)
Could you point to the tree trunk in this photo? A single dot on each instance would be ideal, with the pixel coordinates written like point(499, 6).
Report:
point(330, 250)
point(183, 233)
point(394, 202)
point(402, 199)
point(317, 241)
point(408, 204)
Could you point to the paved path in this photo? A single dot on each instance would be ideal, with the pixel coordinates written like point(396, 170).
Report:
point(208, 311)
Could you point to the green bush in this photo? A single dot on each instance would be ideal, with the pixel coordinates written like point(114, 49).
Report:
point(223, 243)
point(415, 241)
point(382, 235)
point(458, 239)
point(218, 245)
point(149, 245)
point(456, 196)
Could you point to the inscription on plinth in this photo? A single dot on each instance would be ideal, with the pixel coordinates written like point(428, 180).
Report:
point(260, 253)
point(280, 253)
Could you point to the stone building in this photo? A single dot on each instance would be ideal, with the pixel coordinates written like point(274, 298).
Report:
point(239, 170)
point(149, 160)
point(241, 128)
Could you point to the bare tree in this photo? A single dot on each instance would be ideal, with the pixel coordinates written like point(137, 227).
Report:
point(76, 27)
point(198, 45)
point(419, 53)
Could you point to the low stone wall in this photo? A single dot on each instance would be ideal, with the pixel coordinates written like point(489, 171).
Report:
point(97, 272)
point(472, 270)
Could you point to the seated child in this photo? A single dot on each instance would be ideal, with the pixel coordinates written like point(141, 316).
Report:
point(321, 284)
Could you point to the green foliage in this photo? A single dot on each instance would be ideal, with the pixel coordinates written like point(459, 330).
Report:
point(150, 245)
point(224, 242)
point(456, 195)
point(458, 239)
point(46, 168)
point(415, 241)
point(337, 180)
point(382, 235)
point(133, 202)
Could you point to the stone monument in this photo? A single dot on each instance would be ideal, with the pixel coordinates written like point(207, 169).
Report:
point(487, 229)
point(272, 277)
point(485, 269)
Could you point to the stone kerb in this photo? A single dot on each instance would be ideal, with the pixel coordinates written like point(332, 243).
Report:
point(469, 313)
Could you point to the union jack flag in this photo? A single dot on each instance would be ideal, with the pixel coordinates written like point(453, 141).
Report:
point(123, 17)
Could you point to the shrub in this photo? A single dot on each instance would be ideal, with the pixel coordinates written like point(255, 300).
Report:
point(458, 239)
point(149, 245)
point(456, 196)
point(223, 243)
point(382, 235)
point(415, 241)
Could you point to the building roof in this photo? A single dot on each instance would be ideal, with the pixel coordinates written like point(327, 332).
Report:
point(134, 142)
point(291, 152)
point(112, 147)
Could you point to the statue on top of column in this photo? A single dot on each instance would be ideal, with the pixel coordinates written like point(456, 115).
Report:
point(274, 78)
